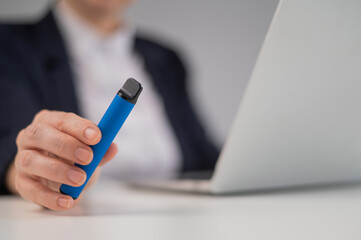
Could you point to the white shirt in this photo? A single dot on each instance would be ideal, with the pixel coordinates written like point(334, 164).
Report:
point(147, 144)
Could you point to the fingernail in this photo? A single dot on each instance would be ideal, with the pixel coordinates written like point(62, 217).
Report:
point(63, 202)
point(91, 133)
point(75, 176)
point(83, 155)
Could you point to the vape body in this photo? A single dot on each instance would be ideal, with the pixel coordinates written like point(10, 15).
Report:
point(109, 126)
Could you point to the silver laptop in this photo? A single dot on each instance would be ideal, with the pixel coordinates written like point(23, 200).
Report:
point(299, 122)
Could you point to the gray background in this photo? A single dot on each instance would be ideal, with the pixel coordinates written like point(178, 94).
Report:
point(219, 40)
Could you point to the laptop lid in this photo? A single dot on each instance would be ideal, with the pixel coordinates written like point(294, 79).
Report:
point(300, 119)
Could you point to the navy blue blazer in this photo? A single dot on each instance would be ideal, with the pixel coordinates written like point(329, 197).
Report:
point(35, 74)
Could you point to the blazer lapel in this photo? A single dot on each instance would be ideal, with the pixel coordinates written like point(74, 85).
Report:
point(55, 64)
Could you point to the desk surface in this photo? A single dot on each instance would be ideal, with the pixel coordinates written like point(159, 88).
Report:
point(114, 211)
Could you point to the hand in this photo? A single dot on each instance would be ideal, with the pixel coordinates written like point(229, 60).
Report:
point(47, 150)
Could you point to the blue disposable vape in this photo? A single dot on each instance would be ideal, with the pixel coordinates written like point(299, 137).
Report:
point(109, 126)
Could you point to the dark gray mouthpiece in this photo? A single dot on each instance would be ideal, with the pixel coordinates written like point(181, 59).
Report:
point(130, 90)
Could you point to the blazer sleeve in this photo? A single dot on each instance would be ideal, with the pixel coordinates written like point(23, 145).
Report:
point(204, 151)
point(17, 106)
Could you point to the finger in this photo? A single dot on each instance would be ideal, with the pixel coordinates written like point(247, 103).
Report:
point(44, 137)
point(37, 164)
point(110, 154)
point(93, 178)
point(70, 123)
point(36, 192)
point(55, 186)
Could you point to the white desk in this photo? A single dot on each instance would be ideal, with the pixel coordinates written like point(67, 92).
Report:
point(113, 211)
